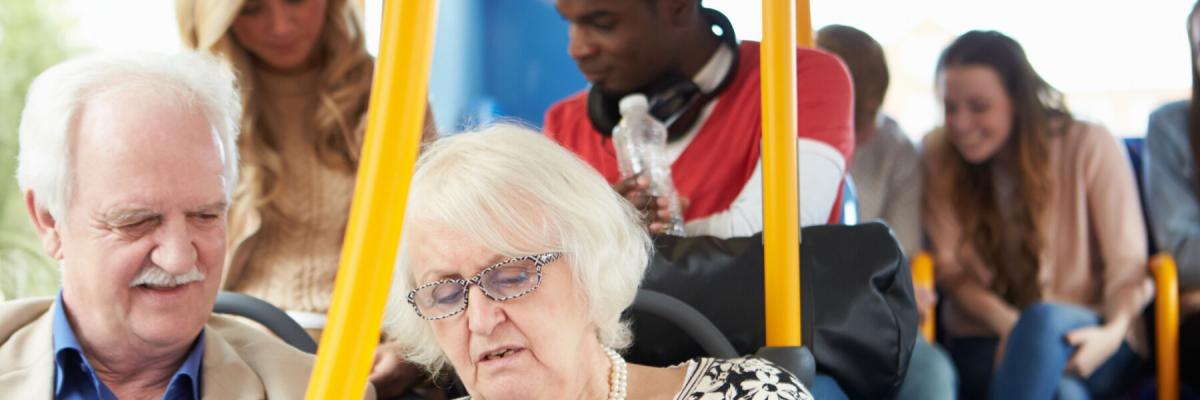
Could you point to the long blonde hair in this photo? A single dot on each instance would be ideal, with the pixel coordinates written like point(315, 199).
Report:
point(343, 88)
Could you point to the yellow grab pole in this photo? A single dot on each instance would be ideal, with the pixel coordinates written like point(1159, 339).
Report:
point(922, 276)
point(804, 28)
point(781, 231)
point(1166, 325)
point(394, 123)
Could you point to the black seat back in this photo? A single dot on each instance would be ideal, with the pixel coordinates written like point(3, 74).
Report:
point(269, 316)
point(679, 314)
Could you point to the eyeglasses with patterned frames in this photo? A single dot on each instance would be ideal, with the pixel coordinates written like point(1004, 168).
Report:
point(502, 281)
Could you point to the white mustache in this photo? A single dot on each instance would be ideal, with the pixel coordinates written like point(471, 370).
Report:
point(158, 277)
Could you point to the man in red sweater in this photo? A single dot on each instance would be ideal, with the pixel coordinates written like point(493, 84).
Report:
point(707, 88)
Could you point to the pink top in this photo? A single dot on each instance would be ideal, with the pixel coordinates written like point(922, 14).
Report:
point(1094, 253)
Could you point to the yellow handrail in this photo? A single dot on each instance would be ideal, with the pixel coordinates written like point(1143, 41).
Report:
point(804, 29)
point(1166, 325)
point(781, 231)
point(394, 123)
point(922, 275)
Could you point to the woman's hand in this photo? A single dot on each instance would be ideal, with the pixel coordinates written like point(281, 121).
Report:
point(1000, 345)
point(391, 374)
point(926, 300)
point(1093, 346)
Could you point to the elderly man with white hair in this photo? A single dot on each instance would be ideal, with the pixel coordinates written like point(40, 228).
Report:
point(127, 164)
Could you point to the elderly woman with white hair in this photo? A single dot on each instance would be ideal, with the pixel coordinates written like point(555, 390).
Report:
point(516, 262)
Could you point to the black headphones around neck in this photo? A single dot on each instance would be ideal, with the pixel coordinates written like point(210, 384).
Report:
point(672, 94)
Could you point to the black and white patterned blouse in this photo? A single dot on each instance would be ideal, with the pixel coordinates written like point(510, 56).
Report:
point(743, 378)
point(739, 378)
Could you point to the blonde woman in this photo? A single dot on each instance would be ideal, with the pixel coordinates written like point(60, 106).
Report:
point(305, 77)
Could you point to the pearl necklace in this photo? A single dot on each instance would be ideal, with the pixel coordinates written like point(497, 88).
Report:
point(617, 376)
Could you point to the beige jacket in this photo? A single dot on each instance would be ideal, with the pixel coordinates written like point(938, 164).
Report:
point(240, 362)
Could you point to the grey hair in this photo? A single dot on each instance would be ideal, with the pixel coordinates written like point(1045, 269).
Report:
point(518, 193)
point(58, 95)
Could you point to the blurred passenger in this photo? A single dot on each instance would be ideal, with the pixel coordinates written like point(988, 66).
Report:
point(709, 89)
point(128, 164)
point(886, 169)
point(1036, 231)
point(552, 257)
point(887, 176)
point(1172, 182)
point(306, 77)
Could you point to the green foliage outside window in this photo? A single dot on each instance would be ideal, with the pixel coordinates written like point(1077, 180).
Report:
point(32, 38)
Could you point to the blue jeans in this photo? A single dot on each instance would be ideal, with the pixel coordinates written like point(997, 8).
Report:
point(1034, 359)
point(930, 374)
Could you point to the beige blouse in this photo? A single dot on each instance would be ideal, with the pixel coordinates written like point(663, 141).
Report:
point(1094, 252)
point(288, 253)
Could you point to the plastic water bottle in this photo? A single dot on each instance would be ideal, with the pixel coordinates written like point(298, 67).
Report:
point(641, 140)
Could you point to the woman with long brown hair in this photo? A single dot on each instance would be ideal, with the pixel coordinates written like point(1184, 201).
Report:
point(1173, 201)
point(305, 77)
point(1036, 232)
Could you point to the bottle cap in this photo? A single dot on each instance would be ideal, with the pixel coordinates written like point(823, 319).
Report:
point(635, 101)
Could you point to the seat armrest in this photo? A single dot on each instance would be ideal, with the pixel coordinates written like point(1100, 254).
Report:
point(922, 273)
point(1166, 323)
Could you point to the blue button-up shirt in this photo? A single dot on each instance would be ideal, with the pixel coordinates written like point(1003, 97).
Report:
point(74, 378)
